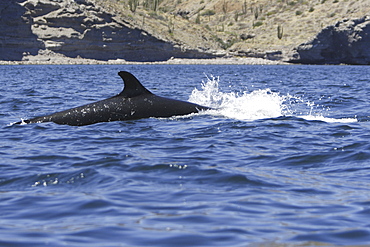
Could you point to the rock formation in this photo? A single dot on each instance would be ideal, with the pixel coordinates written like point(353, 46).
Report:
point(347, 42)
point(78, 28)
point(16, 36)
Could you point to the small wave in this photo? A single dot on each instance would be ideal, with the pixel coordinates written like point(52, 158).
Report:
point(258, 104)
point(329, 120)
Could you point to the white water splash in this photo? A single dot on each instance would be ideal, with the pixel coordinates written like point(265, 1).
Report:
point(329, 120)
point(258, 104)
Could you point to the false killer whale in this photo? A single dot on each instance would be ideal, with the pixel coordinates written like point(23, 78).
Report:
point(134, 102)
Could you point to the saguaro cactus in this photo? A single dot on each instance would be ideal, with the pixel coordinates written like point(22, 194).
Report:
point(280, 32)
point(133, 5)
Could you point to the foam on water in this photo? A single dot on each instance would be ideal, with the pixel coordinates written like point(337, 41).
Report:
point(258, 104)
point(328, 119)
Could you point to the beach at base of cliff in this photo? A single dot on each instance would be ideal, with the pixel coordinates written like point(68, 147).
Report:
point(223, 60)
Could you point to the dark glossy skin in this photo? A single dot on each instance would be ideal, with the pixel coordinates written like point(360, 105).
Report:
point(134, 102)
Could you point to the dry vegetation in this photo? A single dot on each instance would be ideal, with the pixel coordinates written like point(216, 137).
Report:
point(236, 25)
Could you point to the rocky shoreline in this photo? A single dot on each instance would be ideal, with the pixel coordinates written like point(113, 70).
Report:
point(179, 61)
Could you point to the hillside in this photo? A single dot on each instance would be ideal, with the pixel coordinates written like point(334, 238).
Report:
point(303, 31)
point(238, 27)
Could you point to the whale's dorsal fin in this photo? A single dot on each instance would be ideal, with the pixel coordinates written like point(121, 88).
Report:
point(132, 86)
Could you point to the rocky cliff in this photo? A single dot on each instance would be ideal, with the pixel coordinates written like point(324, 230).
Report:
point(78, 28)
point(16, 36)
point(347, 42)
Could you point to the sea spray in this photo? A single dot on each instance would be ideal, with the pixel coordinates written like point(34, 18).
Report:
point(258, 104)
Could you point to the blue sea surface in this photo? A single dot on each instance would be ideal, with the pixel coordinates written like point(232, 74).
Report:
point(283, 160)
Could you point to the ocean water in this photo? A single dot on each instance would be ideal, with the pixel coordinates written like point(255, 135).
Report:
point(283, 160)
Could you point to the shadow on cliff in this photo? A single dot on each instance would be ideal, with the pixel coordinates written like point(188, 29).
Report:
point(345, 42)
point(117, 41)
point(16, 35)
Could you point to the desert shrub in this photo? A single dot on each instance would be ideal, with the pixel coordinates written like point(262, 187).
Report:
point(258, 24)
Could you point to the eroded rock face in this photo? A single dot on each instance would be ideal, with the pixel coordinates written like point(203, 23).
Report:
point(16, 36)
point(348, 42)
point(77, 28)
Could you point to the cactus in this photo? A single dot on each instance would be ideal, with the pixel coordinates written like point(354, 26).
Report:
point(224, 7)
point(197, 20)
point(133, 5)
point(155, 7)
point(244, 7)
point(236, 16)
point(151, 4)
point(171, 27)
point(280, 32)
point(256, 13)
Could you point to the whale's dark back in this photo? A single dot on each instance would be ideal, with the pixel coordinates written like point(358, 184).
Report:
point(134, 102)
